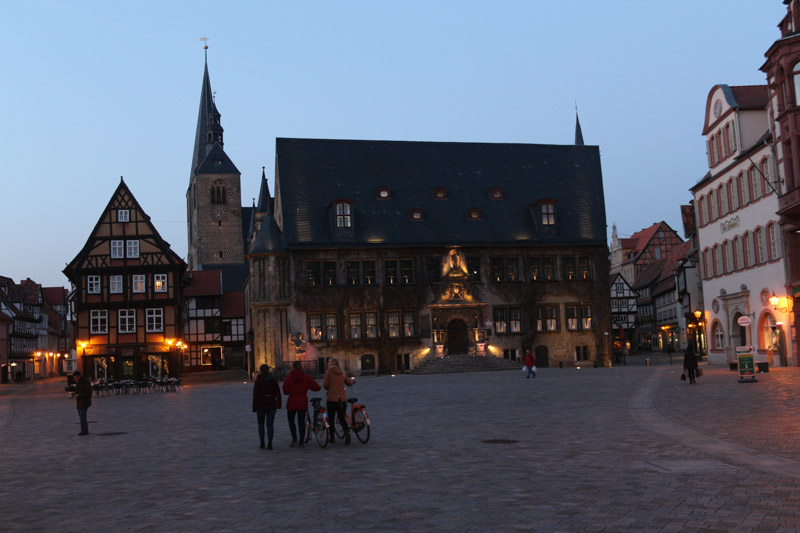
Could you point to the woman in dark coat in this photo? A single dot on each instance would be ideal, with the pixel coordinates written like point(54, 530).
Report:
point(266, 400)
point(295, 386)
point(690, 363)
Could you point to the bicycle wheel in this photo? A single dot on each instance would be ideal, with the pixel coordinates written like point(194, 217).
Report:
point(360, 426)
point(309, 427)
point(320, 431)
point(337, 428)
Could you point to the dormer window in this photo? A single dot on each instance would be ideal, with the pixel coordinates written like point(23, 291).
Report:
point(474, 214)
point(496, 194)
point(343, 215)
point(440, 192)
point(384, 193)
point(416, 214)
point(548, 213)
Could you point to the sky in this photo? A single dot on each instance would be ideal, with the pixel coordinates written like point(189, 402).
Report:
point(97, 90)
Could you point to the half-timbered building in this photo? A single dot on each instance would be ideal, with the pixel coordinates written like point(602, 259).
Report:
point(623, 312)
point(632, 255)
point(127, 296)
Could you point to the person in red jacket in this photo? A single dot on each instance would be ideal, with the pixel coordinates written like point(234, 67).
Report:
point(530, 362)
point(295, 386)
point(266, 400)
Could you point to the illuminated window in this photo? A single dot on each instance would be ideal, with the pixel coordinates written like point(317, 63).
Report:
point(548, 214)
point(440, 192)
point(474, 214)
point(160, 283)
point(393, 318)
point(585, 268)
point(416, 214)
point(409, 324)
point(384, 193)
point(331, 328)
point(571, 314)
point(329, 272)
point(137, 284)
point(399, 272)
point(586, 316)
point(313, 274)
point(371, 322)
point(496, 193)
point(343, 215)
point(315, 327)
point(570, 272)
point(547, 318)
point(505, 269)
point(126, 322)
point(155, 320)
point(355, 325)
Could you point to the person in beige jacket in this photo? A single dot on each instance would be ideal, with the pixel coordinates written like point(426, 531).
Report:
point(334, 382)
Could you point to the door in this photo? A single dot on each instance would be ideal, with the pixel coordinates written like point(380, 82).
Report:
point(738, 333)
point(367, 364)
point(542, 357)
point(457, 337)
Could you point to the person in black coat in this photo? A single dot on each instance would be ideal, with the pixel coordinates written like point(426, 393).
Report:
point(266, 401)
point(83, 395)
point(690, 363)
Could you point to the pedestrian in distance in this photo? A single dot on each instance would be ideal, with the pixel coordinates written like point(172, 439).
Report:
point(295, 387)
point(266, 401)
point(83, 395)
point(690, 363)
point(334, 382)
point(530, 362)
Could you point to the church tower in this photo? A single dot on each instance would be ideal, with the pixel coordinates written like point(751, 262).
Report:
point(213, 200)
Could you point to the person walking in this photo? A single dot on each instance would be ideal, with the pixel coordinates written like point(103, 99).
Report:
point(83, 395)
point(529, 362)
point(690, 363)
point(266, 401)
point(295, 387)
point(334, 382)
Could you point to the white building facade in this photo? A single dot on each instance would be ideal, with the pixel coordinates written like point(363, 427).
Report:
point(740, 242)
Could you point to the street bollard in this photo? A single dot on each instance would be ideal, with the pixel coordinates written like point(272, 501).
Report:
point(648, 362)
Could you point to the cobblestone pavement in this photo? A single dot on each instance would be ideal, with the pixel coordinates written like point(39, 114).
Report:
point(620, 449)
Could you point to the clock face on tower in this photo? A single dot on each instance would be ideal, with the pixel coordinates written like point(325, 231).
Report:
point(219, 212)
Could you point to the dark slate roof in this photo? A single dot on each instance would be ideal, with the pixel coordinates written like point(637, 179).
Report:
point(207, 107)
point(217, 162)
point(233, 275)
point(312, 173)
point(264, 197)
point(269, 238)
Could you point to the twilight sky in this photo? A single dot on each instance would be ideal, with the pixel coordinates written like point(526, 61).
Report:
point(97, 90)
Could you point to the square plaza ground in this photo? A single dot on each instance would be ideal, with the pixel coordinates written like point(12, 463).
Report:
point(621, 449)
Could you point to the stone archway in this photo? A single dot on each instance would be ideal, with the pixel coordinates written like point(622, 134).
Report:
point(457, 341)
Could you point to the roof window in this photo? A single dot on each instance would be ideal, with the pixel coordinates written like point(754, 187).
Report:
point(384, 193)
point(496, 194)
point(474, 213)
point(416, 214)
point(440, 192)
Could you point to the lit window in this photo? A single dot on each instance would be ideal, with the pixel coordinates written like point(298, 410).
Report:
point(586, 316)
point(416, 214)
point(123, 215)
point(440, 192)
point(571, 313)
point(117, 249)
point(93, 284)
point(548, 214)
point(343, 216)
point(384, 193)
point(115, 284)
point(315, 327)
point(355, 326)
point(371, 320)
point(496, 194)
point(330, 327)
point(500, 321)
point(155, 320)
point(138, 283)
point(127, 321)
point(160, 283)
point(409, 329)
point(394, 323)
point(474, 214)
point(133, 248)
point(98, 322)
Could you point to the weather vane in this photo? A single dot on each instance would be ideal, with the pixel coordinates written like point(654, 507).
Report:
point(205, 46)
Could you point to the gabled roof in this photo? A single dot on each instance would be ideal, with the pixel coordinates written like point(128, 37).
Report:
point(216, 162)
point(311, 174)
point(54, 295)
point(202, 283)
point(650, 274)
point(619, 275)
point(123, 198)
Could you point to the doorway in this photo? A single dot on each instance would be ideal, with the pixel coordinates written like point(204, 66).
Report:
point(457, 337)
point(541, 356)
point(368, 364)
point(738, 333)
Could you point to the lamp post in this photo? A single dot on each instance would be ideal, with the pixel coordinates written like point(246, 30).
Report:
point(700, 340)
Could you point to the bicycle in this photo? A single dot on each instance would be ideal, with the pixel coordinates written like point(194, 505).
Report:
point(358, 420)
point(317, 422)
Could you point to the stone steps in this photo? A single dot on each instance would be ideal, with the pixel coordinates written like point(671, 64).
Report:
point(465, 363)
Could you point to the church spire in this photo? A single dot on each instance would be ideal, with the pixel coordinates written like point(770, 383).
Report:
point(578, 132)
point(209, 127)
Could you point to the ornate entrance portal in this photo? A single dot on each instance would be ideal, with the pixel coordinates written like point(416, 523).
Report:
point(456, 314)
point(457, 342)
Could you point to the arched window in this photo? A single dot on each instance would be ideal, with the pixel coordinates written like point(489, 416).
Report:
point(218, 193)
point(767, 338)
point(796, 79)
point(718, 335)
